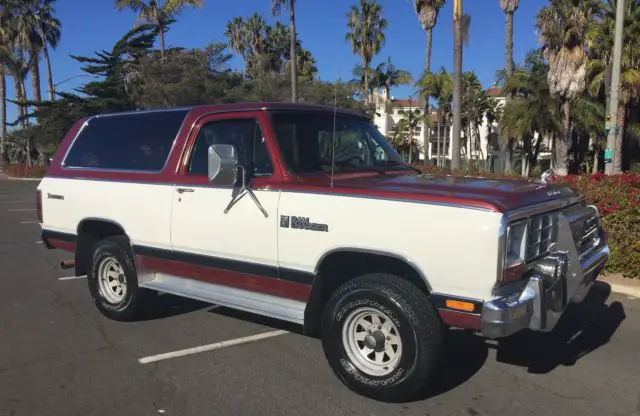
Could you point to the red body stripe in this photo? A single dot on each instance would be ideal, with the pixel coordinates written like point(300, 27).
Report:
point(275, 287)
point(62, 245)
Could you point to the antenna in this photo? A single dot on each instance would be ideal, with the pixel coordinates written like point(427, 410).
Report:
point(333, 136)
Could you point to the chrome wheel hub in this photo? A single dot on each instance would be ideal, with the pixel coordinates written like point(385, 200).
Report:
point(372, 341)
point(111, 280)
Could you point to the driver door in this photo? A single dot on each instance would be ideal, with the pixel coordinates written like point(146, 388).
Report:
point(243, 239)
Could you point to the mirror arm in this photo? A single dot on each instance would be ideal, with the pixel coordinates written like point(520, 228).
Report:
point(245, 190)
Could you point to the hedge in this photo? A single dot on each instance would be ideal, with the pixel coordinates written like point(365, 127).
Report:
point(618, 200)
point(19, 170)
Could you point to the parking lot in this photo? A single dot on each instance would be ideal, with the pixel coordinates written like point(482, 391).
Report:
point(59, 356)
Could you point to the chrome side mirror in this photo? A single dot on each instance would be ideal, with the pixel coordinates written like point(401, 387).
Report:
point(222, 164)
point(546, 176)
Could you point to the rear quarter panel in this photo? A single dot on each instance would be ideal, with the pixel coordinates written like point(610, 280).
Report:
point(455, 248)
point(142, 209)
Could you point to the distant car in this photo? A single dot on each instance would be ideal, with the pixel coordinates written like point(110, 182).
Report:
point(257, 207)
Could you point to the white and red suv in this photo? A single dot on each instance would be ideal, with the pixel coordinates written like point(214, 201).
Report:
point(307, 214)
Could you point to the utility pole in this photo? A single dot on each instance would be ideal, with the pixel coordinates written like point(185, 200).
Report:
point(612, 127)
point(457, 84)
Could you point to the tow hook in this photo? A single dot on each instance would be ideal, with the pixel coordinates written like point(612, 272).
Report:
point(67, 264)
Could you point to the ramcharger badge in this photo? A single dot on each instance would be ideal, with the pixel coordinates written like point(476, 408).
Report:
point(302, 223)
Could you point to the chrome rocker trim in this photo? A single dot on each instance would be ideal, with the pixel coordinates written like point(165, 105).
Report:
point(562, 277)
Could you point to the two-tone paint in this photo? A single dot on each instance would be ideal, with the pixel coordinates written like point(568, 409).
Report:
point(446, 231)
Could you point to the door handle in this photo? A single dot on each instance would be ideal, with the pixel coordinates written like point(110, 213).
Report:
point(183, 190)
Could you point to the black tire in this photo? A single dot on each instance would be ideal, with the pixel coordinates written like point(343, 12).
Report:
point(131, 305)
point(417, 322)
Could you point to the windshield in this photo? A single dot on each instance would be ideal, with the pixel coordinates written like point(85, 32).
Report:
point(305, 140)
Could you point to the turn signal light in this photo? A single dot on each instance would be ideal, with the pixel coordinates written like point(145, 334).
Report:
point(461, 306)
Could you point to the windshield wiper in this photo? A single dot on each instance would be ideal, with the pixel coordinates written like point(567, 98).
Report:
point(399, 164)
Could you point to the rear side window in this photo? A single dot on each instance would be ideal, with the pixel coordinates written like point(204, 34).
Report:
point(135, 142)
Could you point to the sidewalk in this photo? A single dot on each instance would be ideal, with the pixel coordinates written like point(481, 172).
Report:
point(622, 285)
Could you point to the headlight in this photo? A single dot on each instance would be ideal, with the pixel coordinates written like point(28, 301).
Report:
point(516, 244)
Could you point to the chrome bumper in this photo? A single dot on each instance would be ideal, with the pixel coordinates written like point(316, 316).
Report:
point(562, 277)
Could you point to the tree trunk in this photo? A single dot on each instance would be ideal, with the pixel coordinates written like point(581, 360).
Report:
point(457, 85)
point(596, 157)
point(294, 59)
point(508, 43)
point(365, 66)
point(35, 80)
point(427, 57)
point(438, 143)
point(3, 115)
point(562, 144)
point(52, 92)
point(427, 69)
point(161, 36)
point(17, 86)
point(617, 145)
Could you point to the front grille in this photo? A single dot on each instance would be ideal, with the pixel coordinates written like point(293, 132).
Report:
point(539, 235)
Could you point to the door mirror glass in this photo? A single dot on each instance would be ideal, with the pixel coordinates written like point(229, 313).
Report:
point(223, 160)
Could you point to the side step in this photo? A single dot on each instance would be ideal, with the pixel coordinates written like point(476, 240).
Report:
point(258, 303)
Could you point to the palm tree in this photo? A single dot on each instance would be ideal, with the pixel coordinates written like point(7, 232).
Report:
point(438, 85)
point(427, 11)
point(276, 7)
point(461, 24)
point(602, 47)
point(48, 29)
point(508, 8)
point(566, 28)
point(238, 40)
point(159, 14)
point(532, 107)
point(366, 34)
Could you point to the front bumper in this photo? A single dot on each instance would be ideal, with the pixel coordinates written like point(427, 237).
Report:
point(562, 277)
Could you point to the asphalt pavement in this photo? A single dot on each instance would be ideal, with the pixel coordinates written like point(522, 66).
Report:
point(59, 356)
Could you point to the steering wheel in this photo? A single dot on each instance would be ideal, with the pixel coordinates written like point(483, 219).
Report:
point(346, 161)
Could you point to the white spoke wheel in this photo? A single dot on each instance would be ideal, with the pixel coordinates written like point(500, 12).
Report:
point(111, 280)
point(382, 337)
point(372, 341)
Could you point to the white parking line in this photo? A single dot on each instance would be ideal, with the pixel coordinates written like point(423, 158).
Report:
point(21, 209)
point(28, 222)
point(72, 277)
point(204, 348)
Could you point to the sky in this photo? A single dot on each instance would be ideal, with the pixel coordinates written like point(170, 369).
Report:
point(93, 25)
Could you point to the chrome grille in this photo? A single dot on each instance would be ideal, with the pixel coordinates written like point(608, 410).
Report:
point(539, 235)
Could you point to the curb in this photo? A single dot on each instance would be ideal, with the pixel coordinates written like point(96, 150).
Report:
point(23, 179)
point(624, 289)
point(621, 288)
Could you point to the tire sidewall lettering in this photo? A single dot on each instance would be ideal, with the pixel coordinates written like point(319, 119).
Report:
point(379, 301)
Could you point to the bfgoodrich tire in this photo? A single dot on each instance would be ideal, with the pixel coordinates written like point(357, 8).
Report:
point(382, 337)
point(113, 281)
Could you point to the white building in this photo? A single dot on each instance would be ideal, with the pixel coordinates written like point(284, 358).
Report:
point(389, 113)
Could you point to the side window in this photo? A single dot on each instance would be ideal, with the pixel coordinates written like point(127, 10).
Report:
point(244, 134)
point(136, 142)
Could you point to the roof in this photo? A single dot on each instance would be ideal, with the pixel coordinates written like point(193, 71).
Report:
point(408, 103)
point(495, 91)
point(243, 106)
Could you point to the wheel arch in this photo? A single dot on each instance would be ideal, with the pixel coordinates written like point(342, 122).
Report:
point(340, 265)
point(89, 231)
